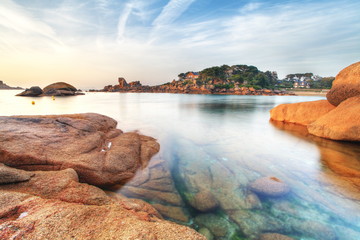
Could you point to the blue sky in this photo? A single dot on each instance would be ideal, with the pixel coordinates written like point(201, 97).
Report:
point(91, 43)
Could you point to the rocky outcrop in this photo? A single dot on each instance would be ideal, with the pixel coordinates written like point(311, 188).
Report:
point(32, 92)
point(322, 118)
point(190, 87)
point(346, 84)
point(56, 200)
point(5, 86)
point(59, 89)
point(269, 186)
point(12, 175)
point(302, 113)
point(342, 123)
point(122, 82)
point(88, 143)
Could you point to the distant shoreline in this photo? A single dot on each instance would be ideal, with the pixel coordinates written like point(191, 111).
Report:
point(311, 92)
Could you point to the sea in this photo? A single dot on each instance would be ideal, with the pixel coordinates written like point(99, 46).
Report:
point(213, 149)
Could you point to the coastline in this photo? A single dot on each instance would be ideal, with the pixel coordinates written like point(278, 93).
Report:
point(312, 92)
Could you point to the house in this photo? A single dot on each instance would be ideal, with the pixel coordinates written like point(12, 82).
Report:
point(301, 84)
point(192, 75)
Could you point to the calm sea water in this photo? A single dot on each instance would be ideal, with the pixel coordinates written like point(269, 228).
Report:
point(217, 146)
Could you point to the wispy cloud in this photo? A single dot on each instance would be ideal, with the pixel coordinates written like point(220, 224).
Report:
point(121, 27)
point(250, 7)
point(172, 10)
point(13, 17)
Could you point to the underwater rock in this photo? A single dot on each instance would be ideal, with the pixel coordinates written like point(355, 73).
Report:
point(274, 236)
point(270, 186)
point(206, 232)
point(172, 212)
point(12, 175)
point(315, 230)
point(155, 184)
point(252, 224)
point(89, 143)
point(204, 201)
point(217, 225)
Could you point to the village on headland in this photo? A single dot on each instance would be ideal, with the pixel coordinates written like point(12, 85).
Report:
point(231, 80)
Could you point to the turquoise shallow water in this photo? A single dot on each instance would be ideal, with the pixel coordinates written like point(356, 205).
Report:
point(213, 148)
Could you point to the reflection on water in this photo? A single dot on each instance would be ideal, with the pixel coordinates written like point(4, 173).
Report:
point(213, 148)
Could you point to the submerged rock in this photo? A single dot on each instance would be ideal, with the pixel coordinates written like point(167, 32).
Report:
point(155, 184)
point(346, 85)
point(12, 175)
point(206, 232)
point(342, 123)
point(88, 143)
point(270, 186)
point(32, 92)
point(302, 113)
point(274, 236)
point(217, 225)
point(316, 230)
point(204, 201)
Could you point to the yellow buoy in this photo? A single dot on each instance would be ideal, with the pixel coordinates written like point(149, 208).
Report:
point(33, 102)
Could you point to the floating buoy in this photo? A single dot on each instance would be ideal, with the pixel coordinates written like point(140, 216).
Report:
point(33, 102)
point(53, 97)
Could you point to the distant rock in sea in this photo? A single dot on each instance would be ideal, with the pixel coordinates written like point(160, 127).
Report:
point(55, 89)
point(4, 86)
point(31, 92)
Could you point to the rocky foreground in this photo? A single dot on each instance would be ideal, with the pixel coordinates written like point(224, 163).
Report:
point(53, 200)
point(338, 117)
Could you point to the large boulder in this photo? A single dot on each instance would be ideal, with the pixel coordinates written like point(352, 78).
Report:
point(56, 200)
point(302, 113)
point(59, 89)
point(342, 123)
point(32, 92)
point(88, 143)
point(346, 84)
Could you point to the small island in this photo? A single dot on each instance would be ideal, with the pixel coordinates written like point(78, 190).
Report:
point(230, 80)
point(54, 89)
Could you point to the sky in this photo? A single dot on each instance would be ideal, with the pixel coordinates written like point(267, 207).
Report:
point(91, 43)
